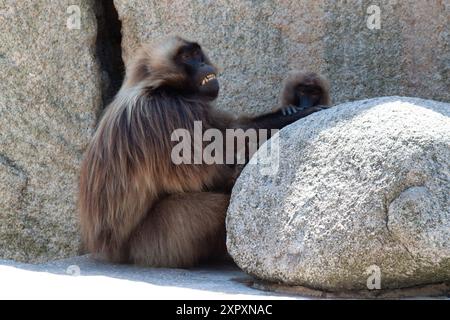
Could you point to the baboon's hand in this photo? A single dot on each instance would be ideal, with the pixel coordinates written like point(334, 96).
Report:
point(290, 109)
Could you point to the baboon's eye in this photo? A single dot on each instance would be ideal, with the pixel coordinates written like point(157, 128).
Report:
point(186, 56)
point(197, 54)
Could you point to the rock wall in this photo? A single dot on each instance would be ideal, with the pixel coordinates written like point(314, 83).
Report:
point(49, 96)
point(256, 42)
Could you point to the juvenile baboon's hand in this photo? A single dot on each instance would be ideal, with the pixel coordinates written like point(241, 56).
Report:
point(290, 109)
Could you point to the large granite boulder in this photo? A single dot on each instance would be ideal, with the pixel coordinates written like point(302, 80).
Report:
point(49, 97)
point(346, 195)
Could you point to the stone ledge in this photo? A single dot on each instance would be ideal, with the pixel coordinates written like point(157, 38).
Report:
point(98, 280)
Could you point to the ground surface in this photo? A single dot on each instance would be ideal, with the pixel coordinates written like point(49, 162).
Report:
point(84, 278)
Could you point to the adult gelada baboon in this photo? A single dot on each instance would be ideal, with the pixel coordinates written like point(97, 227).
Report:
point(136, 205)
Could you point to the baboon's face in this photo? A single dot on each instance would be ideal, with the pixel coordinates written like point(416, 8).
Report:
point(307, 95)
point(200, 71)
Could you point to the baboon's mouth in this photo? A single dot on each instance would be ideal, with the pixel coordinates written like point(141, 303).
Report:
point(208, 78)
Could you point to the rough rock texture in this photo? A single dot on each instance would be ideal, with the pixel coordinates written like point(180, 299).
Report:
point(49, 94)
point(361, 184)
point(256, 42)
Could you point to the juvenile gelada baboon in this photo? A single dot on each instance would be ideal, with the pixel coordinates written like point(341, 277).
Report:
point(136, 205)
point(303, 90)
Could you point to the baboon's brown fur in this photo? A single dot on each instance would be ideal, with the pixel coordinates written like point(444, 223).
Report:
point(135, 204)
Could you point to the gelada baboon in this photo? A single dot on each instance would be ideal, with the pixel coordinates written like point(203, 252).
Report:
point(303, 90)
point(136, 205)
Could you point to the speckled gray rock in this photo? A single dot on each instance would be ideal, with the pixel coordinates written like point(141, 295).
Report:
point(361, 184)
point(256, 42)
point(49, 94)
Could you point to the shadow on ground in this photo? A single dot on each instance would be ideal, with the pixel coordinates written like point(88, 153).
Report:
point(85, 278)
